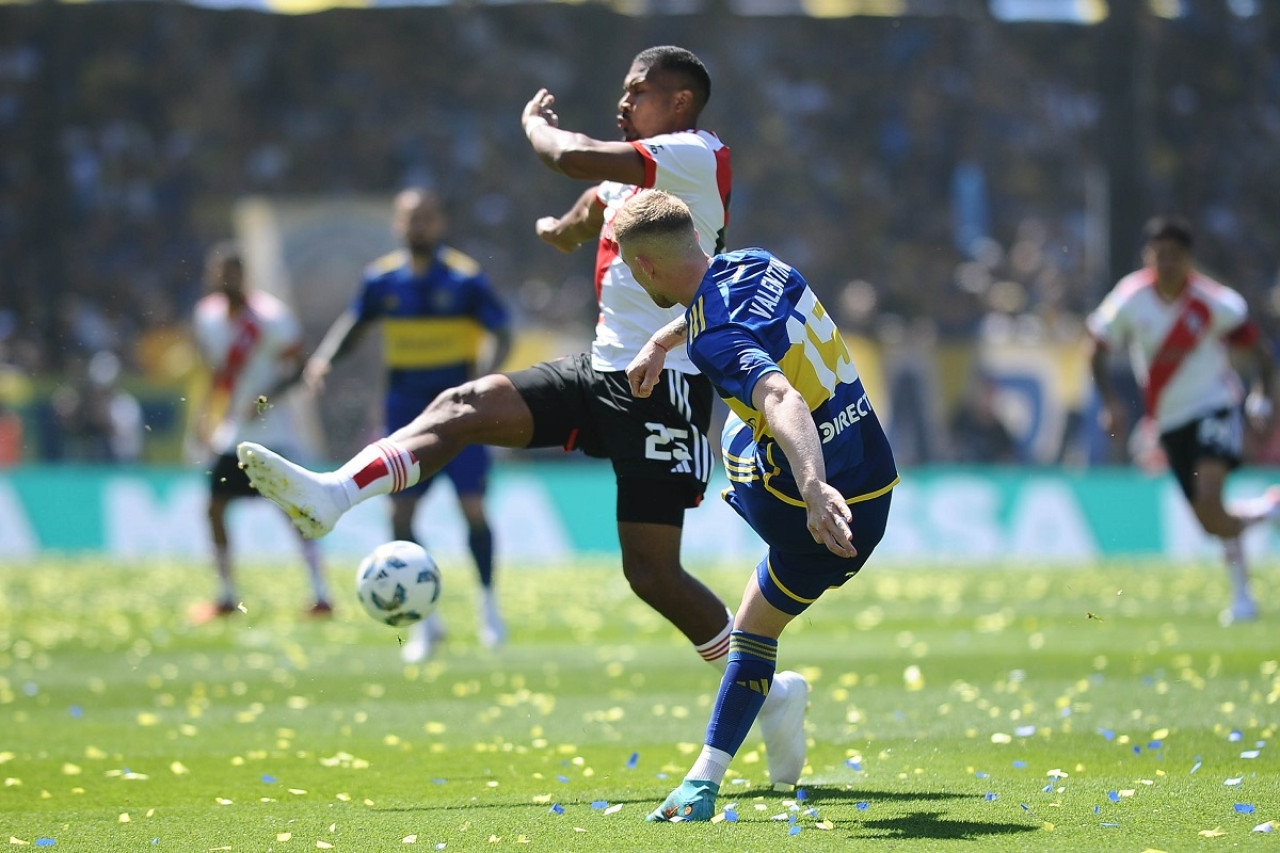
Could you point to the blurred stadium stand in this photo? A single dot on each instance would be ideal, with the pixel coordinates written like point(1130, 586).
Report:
point(959, 183)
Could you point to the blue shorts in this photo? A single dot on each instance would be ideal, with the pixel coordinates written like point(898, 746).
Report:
point(797, 570)
point(469, 470)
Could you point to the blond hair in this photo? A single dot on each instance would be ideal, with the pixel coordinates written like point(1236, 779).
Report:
point(654, 215)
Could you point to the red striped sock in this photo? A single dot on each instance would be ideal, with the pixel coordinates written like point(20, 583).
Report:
point(381, 468)
point(716, 650)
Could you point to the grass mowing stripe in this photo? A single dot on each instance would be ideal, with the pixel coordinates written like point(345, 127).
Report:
point(970, 709)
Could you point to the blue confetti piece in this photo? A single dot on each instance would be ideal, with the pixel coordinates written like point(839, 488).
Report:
point(564, 779)
point(556, 808)
point(801, 795)
point(853, 764)
point(1019, 764)
point(731, 815)
point(155, 841)
point(45, 842)
point(1025, 807)
point(1096, 809)
point(1047, 788)
point(862, 807)
point(1110, 824)
point(1155, 744)
point(600, 804)
point(439, 781)
point(1107, 733)
point(791, 819)
point(990, 796)
point(980, 775)
point(1236, 735)
point(1244, 808)
point(268, 779)
point(633, 761)
point(1065, 712)
point(795, 830)
point(1137, 750)
point(1024, 731)
point(660, 775)
point(1195, 767)
point(76, 711)
point(1113, 796)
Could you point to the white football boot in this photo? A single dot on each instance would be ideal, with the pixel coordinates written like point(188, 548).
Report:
point(425, 636)
point(493, 632)
point(782, 727)
point(308, 498)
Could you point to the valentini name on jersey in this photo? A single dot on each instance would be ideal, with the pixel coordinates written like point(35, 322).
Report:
point(694, 166)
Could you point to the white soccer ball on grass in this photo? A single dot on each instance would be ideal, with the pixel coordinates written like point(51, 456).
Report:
point(398, 583)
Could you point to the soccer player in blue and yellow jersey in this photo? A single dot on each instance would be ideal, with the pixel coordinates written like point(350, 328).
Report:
point(812, 471)
point(435, 306)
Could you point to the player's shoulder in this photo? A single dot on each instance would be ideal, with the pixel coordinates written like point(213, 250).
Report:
point(691, 138)
point(460, 263)
point(1137, 283)
point(1213, 289)
point(386, 264)
point(268, 306)
point(210, 305)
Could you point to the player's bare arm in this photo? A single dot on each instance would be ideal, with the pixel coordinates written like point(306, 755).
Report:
point(577, 155)
point(1113, 418)
point(580, 223)
point(790, 422)
point(646, 368)
point(345, 333)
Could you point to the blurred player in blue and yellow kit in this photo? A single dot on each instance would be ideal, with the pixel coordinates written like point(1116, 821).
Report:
point(437, 310)
point(811, 468)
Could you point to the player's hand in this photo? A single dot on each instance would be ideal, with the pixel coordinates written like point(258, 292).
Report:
point(1259, 411)
point(314, 374)
point(645, 369)
point(550, 231)
point(1113, 418)
point(540, 107)
point(829, 520)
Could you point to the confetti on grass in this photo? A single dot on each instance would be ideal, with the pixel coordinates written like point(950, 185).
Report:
point(1244, 808)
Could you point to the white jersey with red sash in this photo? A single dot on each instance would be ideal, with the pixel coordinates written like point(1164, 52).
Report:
point(694, 166)
point(249, 354)
point(1178, 347)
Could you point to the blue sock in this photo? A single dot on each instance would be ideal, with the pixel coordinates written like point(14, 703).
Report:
point(481, 541)
point(752, 662)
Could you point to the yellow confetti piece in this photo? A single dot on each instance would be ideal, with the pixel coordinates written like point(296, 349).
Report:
point(324, 845)
point(297, 790)
point(368, 802)
point(70, 769)
point(12, 782)
point(1127, 792)
point(1048, 827)
point(524, 839)
point(283, 836)
point(824, 824)
point(1212, 833)
point(1160, 734)
point(1001, 737)
point(223, 801)
point(409, 839)
point(45, 795)
point(13, 840)
point(1152, 850)
point(343, 797)
point(151, 812)
point(146, 718)
point(718, 818)
point(542, 799)
point(494, 839)
point(177, 768)
point(124, 817)
point(242, 608)
point(614, 809)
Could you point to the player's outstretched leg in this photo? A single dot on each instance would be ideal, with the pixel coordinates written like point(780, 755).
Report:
point(313, 501)
point(695, 799)
point(782, 727)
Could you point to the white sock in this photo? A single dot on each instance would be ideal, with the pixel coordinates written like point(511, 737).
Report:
point(710, 766)
point(716, 650)
point(1237, 570)
point(380, 469)
point(311, 554)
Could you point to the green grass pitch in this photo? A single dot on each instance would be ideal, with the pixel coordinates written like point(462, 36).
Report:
point(952, 709)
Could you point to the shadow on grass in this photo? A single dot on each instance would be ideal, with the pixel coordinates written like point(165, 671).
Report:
point(933, 825)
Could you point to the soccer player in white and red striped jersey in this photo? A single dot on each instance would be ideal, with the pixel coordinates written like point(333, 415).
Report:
point(1179, 325)
point(251, 344)
point(658, 445)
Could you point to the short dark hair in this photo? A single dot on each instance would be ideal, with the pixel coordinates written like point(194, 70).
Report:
point(670, 59)
point(1173, 228)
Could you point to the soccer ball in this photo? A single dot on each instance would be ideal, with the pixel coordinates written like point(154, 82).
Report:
point(398, 583)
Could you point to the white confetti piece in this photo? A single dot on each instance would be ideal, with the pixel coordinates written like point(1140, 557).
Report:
point(613, 809)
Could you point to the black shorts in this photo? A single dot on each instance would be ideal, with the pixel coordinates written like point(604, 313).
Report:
point(228, 479)
point(658, 445)
point(1216, 436)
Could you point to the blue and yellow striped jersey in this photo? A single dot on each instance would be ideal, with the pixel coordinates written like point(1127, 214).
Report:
point(433, 324)
point(754, 314)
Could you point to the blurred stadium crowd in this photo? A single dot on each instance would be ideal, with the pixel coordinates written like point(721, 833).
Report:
point(940, 179)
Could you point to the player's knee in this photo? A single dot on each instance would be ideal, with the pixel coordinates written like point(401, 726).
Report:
point(652, 580)
point(1213, 517)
